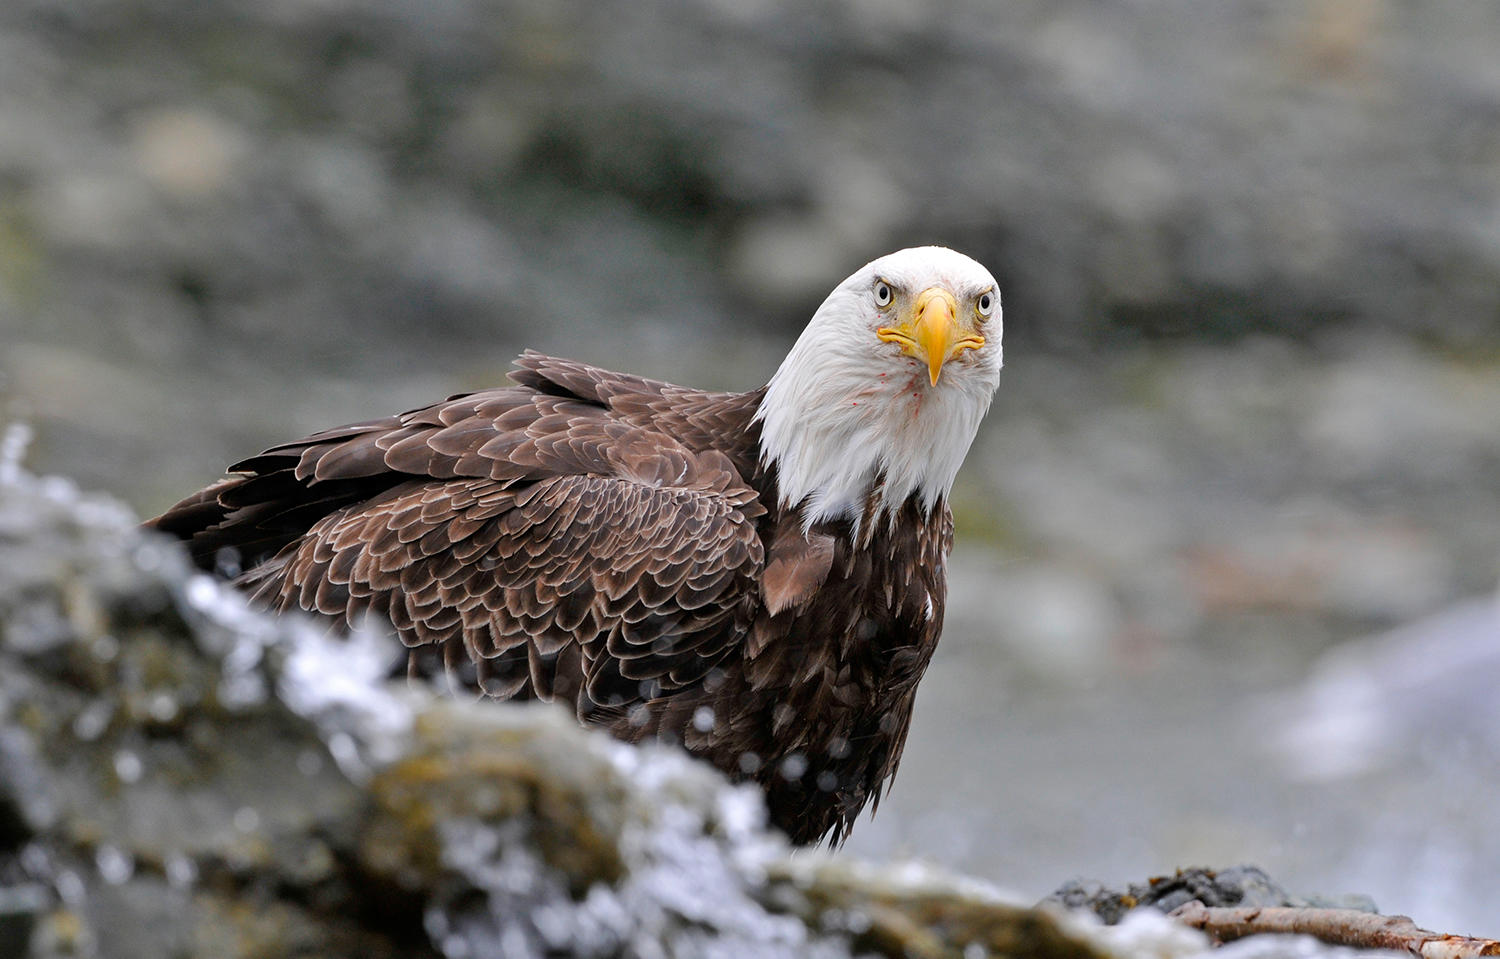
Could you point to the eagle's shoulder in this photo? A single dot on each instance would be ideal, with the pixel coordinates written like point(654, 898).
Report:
point(701, 420)
point(561, 418)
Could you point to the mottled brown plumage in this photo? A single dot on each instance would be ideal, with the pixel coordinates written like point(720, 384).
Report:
point(584, 536)
point(619, 545)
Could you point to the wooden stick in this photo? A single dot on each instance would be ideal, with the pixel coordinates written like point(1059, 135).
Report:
point(1340, 927)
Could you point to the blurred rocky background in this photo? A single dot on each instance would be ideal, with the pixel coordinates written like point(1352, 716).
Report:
point(1230, 541)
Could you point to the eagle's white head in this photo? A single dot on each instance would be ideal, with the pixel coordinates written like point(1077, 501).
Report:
point(886, 385)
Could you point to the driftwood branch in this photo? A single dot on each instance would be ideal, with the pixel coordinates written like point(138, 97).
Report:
point(1341, 927)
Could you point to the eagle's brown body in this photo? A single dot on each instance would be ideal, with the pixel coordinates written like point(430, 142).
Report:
point(614, 543)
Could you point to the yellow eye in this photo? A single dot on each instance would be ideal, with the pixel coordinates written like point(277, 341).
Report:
point(986, 303)
point(883, 293)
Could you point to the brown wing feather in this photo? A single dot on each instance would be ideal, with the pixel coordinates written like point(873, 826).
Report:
point(561, 419)
point(555, 538)
point(653, 586)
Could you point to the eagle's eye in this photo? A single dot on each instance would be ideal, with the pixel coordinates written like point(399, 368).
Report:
point(882, 293)
point(986, 303)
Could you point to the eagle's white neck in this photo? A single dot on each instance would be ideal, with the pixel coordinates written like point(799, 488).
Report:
point(842, 415)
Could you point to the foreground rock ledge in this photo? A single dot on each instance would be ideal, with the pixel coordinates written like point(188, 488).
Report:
point(181, 776)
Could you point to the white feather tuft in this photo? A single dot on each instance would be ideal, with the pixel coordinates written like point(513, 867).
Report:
point(846, 408)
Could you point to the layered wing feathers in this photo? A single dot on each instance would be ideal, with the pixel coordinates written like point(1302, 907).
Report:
point(577, 535)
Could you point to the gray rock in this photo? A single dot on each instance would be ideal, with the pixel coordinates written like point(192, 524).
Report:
point(1233, 887)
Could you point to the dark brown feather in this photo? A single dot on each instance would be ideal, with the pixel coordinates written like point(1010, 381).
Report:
point(611, 542)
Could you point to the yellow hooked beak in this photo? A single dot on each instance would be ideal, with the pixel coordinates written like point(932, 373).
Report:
point(932, 332)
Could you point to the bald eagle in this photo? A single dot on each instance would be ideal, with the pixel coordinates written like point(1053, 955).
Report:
point(759, 577)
